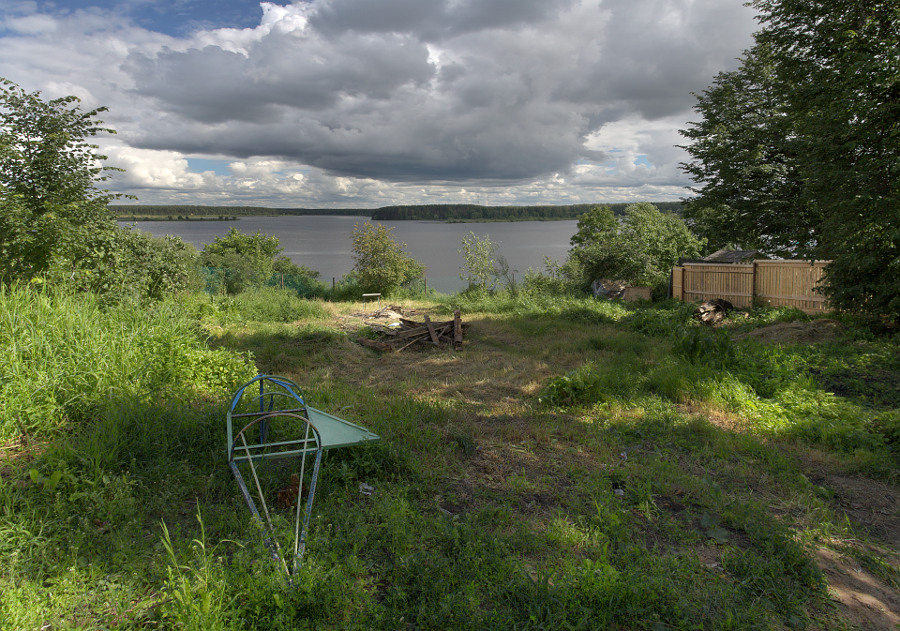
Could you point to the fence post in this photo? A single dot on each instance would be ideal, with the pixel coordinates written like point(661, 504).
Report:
point(753, 285)
point(676, 282)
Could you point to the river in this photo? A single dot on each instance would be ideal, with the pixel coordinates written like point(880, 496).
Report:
point(323, 243)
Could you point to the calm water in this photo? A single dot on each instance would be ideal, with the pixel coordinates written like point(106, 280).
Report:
point(323, 243)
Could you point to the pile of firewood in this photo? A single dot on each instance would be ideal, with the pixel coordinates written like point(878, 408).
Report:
point(405, 333)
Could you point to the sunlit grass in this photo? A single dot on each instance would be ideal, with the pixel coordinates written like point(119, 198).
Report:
point(578, 464)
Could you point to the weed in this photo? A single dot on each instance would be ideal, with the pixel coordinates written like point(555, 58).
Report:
point(195, 591)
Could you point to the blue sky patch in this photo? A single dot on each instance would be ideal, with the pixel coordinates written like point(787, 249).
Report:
point(199, 165)
point(173, 17)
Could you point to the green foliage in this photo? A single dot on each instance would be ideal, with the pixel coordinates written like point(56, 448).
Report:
point(381, 264)
point(49, 203)
point(741, 153)
point(196, 591)
point(799, 148)
point(702, 344)
point(64, 357)
point(640, 250)
point(581, 386)
point(242, 260)
point(127, 263)
point(483, 266)
point(264, 304)
point(54, 221)
point(284, 265)
point(598, 224)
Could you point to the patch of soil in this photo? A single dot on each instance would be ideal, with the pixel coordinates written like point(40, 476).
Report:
point(872, 504)
point(810, 332)
point(14, 456)
point(862, 598)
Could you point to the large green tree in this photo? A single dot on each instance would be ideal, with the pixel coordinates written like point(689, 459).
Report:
point(640, 249)
point(834, 127)
point(840, 71)
point(50, 202)
point(744, 161)
point(55, 223)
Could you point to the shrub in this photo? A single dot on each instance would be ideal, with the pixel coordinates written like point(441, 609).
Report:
point(380, 263)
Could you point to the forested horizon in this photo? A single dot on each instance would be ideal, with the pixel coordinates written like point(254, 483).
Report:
point(428, 212)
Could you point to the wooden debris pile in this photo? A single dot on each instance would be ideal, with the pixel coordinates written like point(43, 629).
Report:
point(405, 333)
point(712, 312)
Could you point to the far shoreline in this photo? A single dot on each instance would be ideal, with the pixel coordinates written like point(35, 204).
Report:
point(438, 213)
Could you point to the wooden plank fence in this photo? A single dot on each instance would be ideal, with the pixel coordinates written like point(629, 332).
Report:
point(774, 283)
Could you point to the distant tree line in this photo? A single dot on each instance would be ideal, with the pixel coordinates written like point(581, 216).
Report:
point(193, 211)
point(426, 212)
point(475, 212)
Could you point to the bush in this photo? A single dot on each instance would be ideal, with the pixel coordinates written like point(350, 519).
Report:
point(381, 264)
point(241, 260)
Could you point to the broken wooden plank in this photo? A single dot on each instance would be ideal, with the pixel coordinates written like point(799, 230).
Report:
point(407, 333)
point(434, 338)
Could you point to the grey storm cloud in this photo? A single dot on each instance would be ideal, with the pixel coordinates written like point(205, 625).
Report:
point(431, 19)
point(450, 90)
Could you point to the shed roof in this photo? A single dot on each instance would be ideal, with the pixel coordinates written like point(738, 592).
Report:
point(733, 256)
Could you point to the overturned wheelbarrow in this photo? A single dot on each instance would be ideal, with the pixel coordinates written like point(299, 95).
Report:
point(269, 420)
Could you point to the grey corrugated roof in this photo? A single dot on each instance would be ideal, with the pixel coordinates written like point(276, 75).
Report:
point(732, 256)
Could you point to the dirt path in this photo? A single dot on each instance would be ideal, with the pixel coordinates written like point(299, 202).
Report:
point(873, 508)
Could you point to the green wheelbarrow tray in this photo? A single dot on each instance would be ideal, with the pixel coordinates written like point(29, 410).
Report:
point(301, 432)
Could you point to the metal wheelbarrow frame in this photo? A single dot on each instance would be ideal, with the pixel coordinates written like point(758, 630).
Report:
point(319, 431)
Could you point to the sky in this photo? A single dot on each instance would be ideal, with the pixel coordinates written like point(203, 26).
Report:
point(369, 103)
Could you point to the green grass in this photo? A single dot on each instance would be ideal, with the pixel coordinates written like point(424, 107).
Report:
point(577, 465)
point(65, 358)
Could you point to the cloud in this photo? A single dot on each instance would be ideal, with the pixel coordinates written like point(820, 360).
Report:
point(525, 99)
point(147, 169)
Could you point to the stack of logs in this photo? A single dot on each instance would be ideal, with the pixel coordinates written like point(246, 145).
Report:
point(408, 332)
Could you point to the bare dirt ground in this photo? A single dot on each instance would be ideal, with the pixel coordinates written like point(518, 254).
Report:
point(809, 332)
point(873, 508)
point(861, 597)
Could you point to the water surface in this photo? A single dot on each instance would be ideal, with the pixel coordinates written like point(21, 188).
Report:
point(323, 243)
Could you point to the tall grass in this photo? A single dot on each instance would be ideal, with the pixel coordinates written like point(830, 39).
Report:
point(264, 304)
point(64, 357)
